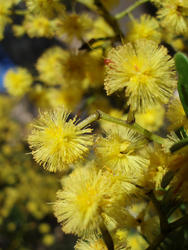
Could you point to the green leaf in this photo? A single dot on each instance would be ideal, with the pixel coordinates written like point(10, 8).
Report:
point(181, 133)
point(181, 62)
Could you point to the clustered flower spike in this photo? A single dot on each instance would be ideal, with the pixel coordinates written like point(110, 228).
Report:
point(57, 141)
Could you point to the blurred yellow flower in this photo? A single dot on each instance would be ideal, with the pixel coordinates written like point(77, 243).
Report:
point(147, 27)
point(152, 119)
point(18, 81)
point(173, 15)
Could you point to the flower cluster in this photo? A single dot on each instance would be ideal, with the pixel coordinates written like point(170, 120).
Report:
point(112, 122)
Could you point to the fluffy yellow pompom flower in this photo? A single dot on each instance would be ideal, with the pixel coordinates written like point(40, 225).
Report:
point(38, 26)
point(147, 27)
point(151, 119)
point(57, 142)
point(173, 15)
point(146, 72)
point(58, 66)
point(176, 115)
point(50, 67)
point(85, 200)
point(120, 151)
point(45, 7)
point(74, 26)
point(17, 82)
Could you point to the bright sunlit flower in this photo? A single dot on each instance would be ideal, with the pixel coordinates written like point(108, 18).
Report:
point(146, 72)
point(119, 150)
point(57, 142)
point(18, 81)
point(87, 197)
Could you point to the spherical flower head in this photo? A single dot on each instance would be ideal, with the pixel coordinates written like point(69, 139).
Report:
point(145, 28)
point(57, 142)
point(152, 119)
point(146, 72)
point(74, 26)
point(119, 151)
point(173, 15)
point(176, 115)
point(49, 65)
point(17, 81)
point(45, 7)
point(38, 26)
point(86, 198)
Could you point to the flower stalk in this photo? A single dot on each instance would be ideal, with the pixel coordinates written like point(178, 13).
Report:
point(134, 126)
point(130, 9)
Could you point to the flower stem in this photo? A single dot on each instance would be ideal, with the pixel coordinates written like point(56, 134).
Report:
point(130, 9)
point(171, 227)
point(92, 118)
point(107, 237)
point(108, 18)
point(135, 126)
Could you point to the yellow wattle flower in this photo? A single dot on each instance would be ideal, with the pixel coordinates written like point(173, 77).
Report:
point(144, 70)
point(37, 26)
point(152, 119)
point(74, 26)
point(17, 81)
point(45, 7)
point(176, 115)
point(173, 15)
point(86, 199)
point(119, 151)
point(145, 28)
point(57, 141)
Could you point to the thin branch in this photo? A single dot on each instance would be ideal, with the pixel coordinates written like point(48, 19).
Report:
point(162, 216)
point(107, 238)
point(171, 227)
point(130, 9)
point(134, 126)
point(109, 18)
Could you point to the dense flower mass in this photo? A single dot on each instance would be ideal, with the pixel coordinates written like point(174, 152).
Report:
point(121, 172)
point(57, 142)
point(86, 198)
point(144, 70)
point(119, 150)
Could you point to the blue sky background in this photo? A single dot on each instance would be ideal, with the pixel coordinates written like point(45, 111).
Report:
point(5, 64)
